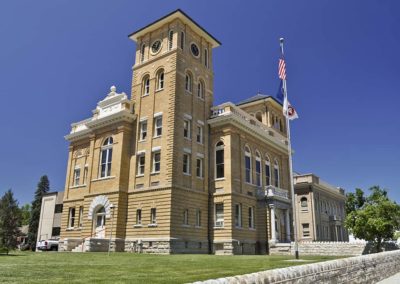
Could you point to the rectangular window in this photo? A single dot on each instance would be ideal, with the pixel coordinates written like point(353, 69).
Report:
point(186, 217)
point(143, 130)
point(219, 215)
point(153, 216)
point(276, 177)
point(71, 219)
point(199, 167)
point(258, 172)
point(267, 174)
point(55, 232)
point(306, 230)
point(77, 176)
point(238, 215)
point(138, 216)
point(158, 126)
point(219, 162)
point(80, 216)
point(85, 174)
point(187, 129)
point(156, 162)
point(198, 218)
point(248, 169)
point(251, 217)
point(58, 208)
point(186, 163)
point(199, 134)
point(140, 164)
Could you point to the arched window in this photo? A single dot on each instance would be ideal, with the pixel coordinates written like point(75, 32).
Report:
point(170, 39)
point(259, 116)
point(106, 157)
point(146, 86)
point(247, 162)
point(258, 169)
point(219, 160)
point(276, 173)
point(267, 170)
point(188, 82)
point(182, 40)
point(206, 57)
point(200, 89)
point(303, 202)
point(142, 49)
point(160, 79)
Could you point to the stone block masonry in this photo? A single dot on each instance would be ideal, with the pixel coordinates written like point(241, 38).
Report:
point(360, 269)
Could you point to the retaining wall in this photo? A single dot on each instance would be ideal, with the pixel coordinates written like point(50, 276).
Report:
point(360, 269)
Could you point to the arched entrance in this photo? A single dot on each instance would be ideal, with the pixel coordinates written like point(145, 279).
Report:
point(99, 211)
point(99, 223)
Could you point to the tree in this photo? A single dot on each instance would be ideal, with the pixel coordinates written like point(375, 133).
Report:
point(25, 214)
point(374, 218)
point(42, 188)
point(9, 221)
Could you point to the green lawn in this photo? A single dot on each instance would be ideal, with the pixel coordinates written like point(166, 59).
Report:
point(53, 267)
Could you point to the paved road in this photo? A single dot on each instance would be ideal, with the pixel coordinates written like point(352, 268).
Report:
point(395, 279)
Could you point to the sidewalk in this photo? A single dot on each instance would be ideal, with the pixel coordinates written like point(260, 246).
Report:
point(395, 279)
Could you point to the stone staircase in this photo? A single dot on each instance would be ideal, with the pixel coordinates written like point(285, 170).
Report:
point(79, 248)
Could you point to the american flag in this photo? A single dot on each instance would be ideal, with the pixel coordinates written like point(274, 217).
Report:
point(282, 69)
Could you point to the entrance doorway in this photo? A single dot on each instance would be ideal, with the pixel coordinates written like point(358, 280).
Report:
point(100, 223)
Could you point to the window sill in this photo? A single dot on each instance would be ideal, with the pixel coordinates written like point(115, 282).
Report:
point(70, 229)
point(144, 140)
point(252, 229)
point(187, 174)
point(219, 228)
point(200, 98)
point(159, 90)
point(77, 186)
point(153, 225)
point(238, 227)
point(185, 225)
point(187, 138)
point(188, 92)
point(138, 226)
point(197, 227)
point(145, 95)
point(154, 137)
point(200, 143)
point(103, 178)
point(141, 175)
point(154, 173)
point(201, 178)
point(219, 179)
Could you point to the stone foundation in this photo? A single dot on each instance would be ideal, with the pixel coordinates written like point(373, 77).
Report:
point(166, 246)
point(68, 244)
point(234, 248)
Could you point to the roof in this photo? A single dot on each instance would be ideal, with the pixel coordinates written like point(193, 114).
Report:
point(172, 16)
point(257, 98)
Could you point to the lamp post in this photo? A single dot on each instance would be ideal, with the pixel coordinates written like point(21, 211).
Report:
point(112, 222)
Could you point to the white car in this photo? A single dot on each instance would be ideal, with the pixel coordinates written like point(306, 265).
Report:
point(50, 244)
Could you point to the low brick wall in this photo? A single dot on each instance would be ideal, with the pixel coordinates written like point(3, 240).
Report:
point(360, 269)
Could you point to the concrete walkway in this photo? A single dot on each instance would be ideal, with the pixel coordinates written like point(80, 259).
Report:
point(395, 279)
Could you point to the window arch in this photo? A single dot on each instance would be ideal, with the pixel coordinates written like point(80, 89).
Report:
point(106, 157)
point(170, 39)
point(303, 202)
point(188, 82)
point(142, 49)
point(146, 86)
point(206, 57)
point(276, 173)
point(160, 79)
point(267, 170)
point(219, 160)
point(200, 89)
point(258, 168)
point(247, 162)
point(182, 40)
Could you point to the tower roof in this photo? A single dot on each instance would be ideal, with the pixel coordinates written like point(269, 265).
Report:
point(177, 14)
point(257, 98)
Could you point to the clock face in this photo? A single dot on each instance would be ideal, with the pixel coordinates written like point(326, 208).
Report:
point(195, 50)
point(156, 46)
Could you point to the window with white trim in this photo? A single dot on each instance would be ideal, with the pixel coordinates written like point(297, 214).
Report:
point(199, 134)
point(146, 86)
point(170, 39)
point(187, 128)
point(143, 130)
point(206, 57)
point(106, 157)
point(141, 160)
point(85, 174)
point(219, 215)
point(153, 216)
point(251, 218)
point(198, 218)
point(258, 169)
point(200, 89)
point(247, 159)
point(186, 217)
point(77, 176)
point(188, 82)
point(276, 173)
point(267, 171)
point(160, 80)
point(156, 162)
point(142, 50)
point(306, 230)
point(158, 126)
point(238, 215)
point(199, 167)
point(186, 163)
point(138, 216)
point(71, 217)
point(219, 160)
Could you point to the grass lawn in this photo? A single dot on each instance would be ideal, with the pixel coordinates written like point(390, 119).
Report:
point(54, 267)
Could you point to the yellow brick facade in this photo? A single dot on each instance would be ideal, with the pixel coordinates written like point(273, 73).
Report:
point(142, 171)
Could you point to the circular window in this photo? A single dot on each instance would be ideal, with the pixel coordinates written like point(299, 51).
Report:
point(195, 50)
point(155, 47)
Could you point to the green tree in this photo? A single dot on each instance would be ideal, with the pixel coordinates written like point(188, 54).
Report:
point(374, 218)
point(42, 188)
point(9, 221)
point(25, 214)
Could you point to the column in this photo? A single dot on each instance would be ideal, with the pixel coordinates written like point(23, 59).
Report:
point(273, 229)
point(287, 223)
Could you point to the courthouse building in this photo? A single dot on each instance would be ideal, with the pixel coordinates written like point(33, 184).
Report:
point(166, 171)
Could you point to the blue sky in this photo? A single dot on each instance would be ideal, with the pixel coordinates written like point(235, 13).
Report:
point(59, 58)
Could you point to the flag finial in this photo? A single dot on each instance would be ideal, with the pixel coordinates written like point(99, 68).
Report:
point(281, 39)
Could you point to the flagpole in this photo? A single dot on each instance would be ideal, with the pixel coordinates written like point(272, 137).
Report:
point(296, 246)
